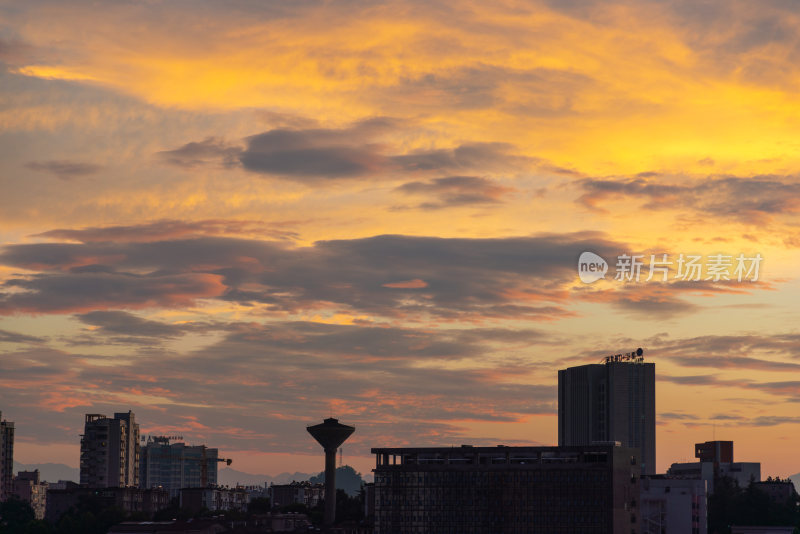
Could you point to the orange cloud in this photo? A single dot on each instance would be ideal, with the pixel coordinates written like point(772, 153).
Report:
point(416, 283)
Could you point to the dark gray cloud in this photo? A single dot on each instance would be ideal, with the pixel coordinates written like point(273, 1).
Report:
point(466, 157)
point(751, 200)
point(14, 51)
point(127, 324)
point(169, 229)
point(288, 153)
point(776, 353)
point(196, 153)
point(715, 351)
point(272, 376)
point(759, 421)
point(690, 380)
point(663, 305)
point(14, 337)
point(382, 275)
point(96, 287)
point(319, 154)
point(677, 416)
point(454, 191)
point(548, 92)
point(65, 169)
point(734, 362)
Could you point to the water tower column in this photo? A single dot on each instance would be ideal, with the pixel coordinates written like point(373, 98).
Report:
point(330, 434)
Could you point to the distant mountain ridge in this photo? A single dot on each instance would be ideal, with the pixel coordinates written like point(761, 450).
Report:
point(347, 478)
point(51, 472)
point(231, 477)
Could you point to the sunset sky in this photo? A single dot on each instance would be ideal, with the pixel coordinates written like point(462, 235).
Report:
point(238, 218)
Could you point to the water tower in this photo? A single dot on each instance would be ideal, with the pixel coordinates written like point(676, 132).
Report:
point(330, 434)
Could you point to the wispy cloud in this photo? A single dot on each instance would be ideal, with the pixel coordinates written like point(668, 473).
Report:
point(753, 200)
point(455, 191)
point(65, 169)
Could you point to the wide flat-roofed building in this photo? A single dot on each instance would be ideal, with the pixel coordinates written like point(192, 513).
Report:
point(716, 460)
point(490, 490)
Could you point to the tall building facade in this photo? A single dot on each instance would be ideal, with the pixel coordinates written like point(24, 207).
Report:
point(174, 466)
point(6, 458)
point(110, 451)
point(29, 488)
point(515, 490)
point(612, 401)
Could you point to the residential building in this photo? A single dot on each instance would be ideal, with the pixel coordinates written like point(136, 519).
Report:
point(256, 491)
point(146, 501)
point(673, 506)
point(305, 493)
point(62, 485)
point(174, 466)
point(29, 488)
point(213, 499)
point(110, 451)
point(6, 458)
point(485, 490)
point(718, 463)
point(131, 449)
point(611, 401)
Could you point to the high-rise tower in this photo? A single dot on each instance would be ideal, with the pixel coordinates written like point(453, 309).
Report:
point(612, 401)
point(6, 458)
point(174, 466)
point(110, 451)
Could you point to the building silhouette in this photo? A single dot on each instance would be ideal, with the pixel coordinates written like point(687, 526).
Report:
point(110, 451)
point(305, 493)
point(130, 500)
point(715, 460)
point(6, 458)
point(485, 490)
point(30, 488)
point(611, 401)
point(174, 466)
